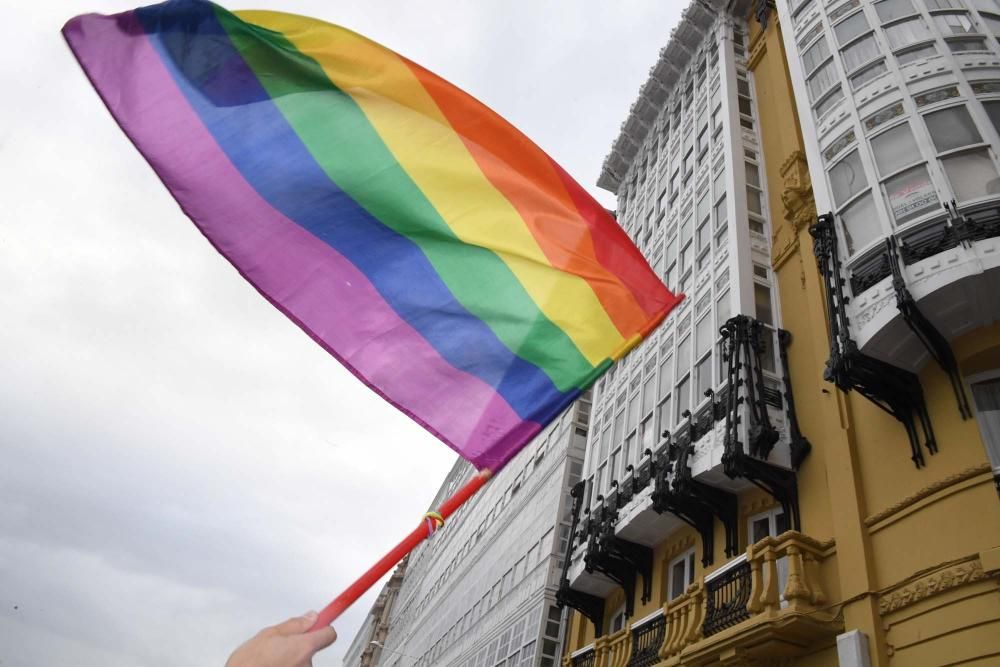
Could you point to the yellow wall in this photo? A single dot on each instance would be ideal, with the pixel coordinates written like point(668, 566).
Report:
point(916, 561)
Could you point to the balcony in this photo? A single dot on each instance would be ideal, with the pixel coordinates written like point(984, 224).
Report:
point(767, 604)
point(897, 307)
point(737, 438)
point(946, 265)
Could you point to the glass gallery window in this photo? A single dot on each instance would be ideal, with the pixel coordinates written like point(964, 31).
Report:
point(857, 211)
point(964, 155)
point(909, 38)
point(908, 186)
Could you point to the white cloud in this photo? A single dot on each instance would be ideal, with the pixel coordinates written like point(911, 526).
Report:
point(182, 466)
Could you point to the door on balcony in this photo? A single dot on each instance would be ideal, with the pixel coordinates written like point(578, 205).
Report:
point(681, 574)
point(771, 524)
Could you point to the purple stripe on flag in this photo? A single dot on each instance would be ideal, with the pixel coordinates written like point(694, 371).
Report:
point(305, 278)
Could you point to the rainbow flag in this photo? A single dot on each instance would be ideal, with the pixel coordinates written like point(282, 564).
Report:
point(428, 245)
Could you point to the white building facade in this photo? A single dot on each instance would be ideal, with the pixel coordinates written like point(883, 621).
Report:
point(481, 591)
point(699, 411)
point(899, 102)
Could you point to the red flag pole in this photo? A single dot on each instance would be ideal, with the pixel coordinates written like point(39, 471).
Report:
point(351, 594)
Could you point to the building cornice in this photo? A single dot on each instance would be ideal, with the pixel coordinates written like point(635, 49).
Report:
point(685, 38)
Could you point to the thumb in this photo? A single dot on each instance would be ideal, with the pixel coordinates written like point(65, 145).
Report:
point(321, 638)
point(295, 626)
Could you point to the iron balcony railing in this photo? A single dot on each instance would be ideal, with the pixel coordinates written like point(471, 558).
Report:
point(726, 598)
point(585, 659)
point(646, 642)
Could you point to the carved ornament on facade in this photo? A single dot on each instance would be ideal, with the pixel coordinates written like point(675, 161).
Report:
point(939, 582)
point(797, 192)
point(863, 317)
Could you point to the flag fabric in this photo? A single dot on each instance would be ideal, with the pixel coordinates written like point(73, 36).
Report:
point(426, 243)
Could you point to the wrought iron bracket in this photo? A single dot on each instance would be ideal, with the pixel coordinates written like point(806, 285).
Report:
point(591, 606)
point(762, 10)
point(935, 344)
point(893, 389)
point(799, 445)
point(743, 343)
point(696, 503)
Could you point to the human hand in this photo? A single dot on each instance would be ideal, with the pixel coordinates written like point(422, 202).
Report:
point(289, 644)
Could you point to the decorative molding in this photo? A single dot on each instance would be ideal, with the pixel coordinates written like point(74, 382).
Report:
point(758, 44)
point(925, 587)
point(928, 490)
point(863, 317)
point(797, 193)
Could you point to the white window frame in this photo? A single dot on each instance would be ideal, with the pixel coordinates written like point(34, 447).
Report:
point(688, 558)
point(970, 380)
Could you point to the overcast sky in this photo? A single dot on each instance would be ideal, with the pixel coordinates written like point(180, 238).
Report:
point(179, 464)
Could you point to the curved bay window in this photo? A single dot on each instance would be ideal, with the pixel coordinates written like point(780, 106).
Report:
point(965, 157)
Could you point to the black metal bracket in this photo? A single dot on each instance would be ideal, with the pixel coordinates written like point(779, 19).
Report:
point(762, 10)
point(695, 503)
point(618, 559)
point(591, 606)
point(742, 347)
point(743, 344)
point(935, 344)
point(799, 445)
point(893, 389)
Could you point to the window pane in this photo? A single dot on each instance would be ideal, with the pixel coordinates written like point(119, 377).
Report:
point(992, 23)
point(677, 579)
point(893, 9)
point(861, 225)
point(666, 375)
point(829, 102)
point(753, 174)
point(952, 128)
point(684, 357)
point(705, 335)
point(954, 24)
point(753, 200)
point(703, 207)
point(815, 55)
point(868, 74)
point(959, 45)
point(761, 528)
point(704, 371)
point(762, 303)
point(723, 309)
point(683, 399)
point(619, 431)
point(859, 53)
point(648, 394)
point(972, 175)
point(911, 194)
point(851, 27)
point(987, 397)
point(821, 80)
point(895, 149)
point(993, 111)
point(665, 416)
point(907, 32)
point(847, 178)
point(909, 55)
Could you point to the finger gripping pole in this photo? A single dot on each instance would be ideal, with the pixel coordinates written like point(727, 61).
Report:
point(351, 594)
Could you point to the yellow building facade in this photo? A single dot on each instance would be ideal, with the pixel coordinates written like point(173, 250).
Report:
point(892, 563)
